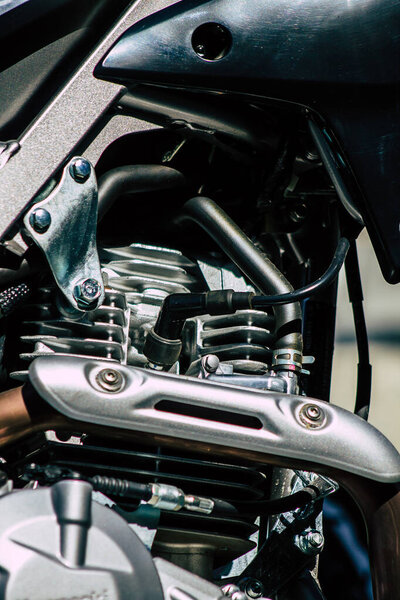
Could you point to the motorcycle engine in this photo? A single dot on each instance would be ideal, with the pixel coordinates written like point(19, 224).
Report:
point(141, 266)
point(139, 277)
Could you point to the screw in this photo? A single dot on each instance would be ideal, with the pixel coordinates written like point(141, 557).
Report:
point(87, 292)
point(80, 170)
point(110, 380)
point(254, 588)
point(40, 220)
point(211, 363)
point(311, 542)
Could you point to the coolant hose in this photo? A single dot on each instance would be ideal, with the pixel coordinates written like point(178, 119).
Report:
point(135, 179)
point(253, 263)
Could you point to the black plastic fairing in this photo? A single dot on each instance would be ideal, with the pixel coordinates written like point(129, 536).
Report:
point(340, 59)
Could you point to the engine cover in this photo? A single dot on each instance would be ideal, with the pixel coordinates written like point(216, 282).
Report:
point(58, 544)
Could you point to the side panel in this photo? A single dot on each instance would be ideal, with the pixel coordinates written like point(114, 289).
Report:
point(340, 59)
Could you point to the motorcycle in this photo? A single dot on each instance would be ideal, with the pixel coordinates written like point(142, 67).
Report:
point(181, 186)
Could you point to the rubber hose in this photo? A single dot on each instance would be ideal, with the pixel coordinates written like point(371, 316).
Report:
point(135, 179)
point(252, 262)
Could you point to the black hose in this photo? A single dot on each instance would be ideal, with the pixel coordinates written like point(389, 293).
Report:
point(135, 179)
point(253, 263)
point(364, 369)
point(260, 302)
point(121, 487)
point(267, 507)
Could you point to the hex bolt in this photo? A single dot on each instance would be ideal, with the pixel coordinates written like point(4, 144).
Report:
point(110, 380)
point(311, 542)
point(211, 363)
point(87, 292)
point(80, 170)
point(254, 588)
point(312, 416)
point(40, 220)
point(313, 412)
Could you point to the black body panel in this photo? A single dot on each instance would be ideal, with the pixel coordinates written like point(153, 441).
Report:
point(339, 58)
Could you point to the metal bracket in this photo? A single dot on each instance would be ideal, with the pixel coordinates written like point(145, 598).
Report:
point(64, 227)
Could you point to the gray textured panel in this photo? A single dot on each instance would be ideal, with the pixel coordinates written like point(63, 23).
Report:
point(64, 123)
point(340, 439)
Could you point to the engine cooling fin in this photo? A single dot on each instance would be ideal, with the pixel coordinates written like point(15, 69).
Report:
point(102, 333)
point(138, 278)
point(218, 539)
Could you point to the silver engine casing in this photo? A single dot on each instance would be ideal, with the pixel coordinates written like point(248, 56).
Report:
point(57, 543)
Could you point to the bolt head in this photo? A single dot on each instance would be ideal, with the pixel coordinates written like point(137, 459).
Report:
point(311, 542)
point(254, 588)
point(312, 416)
point(110, 380)
point(211, 363)
point(313, 412)
point(316, 539)
point(80, 170)
point(87, 292)
point(40, 220)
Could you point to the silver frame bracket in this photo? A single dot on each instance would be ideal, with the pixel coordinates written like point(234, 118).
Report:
point(63, 225)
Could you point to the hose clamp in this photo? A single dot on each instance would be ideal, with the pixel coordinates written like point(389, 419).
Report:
point(287, 359)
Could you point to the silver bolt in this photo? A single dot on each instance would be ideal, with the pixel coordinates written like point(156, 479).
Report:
point(80, 170)
point(40, 220)
point(211, 363)
point(311, 542)
point(254, 588)
point(110, 380)
point(313, 412)
point(87, 292)
point(312, 416)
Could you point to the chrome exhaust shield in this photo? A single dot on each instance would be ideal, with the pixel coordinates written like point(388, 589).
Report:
point(288, 426)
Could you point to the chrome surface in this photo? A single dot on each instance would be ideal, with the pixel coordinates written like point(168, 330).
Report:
point(166, 497)
point(69, 240)
point(271, 421)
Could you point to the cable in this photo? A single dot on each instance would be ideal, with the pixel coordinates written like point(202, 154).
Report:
point(364, 368)
point(268, 507)
point(312, 288)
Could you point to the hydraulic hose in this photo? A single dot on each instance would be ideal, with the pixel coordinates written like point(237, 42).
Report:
point(253, 263)
point(135, 179)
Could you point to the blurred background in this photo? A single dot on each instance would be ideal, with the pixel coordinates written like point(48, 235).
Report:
point(382, 313)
